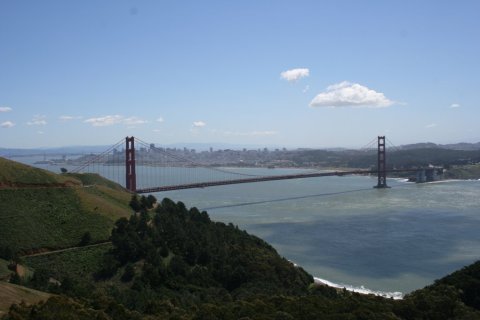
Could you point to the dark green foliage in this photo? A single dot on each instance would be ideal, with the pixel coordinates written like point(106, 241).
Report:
point(59, 307)
point(74, 269)
point(151, 200)
point(134, 203)
point(7, 253)
point(63, 170)
point(40, 278)
point(467, 283)
point(231, 257)
point(129, 273)
point(108, 267)
point(143, 204)
point(86, 239)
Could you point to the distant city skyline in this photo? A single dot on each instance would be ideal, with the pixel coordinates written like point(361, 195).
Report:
point(315, 74)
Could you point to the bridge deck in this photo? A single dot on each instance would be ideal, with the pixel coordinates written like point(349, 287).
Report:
point(250, 180)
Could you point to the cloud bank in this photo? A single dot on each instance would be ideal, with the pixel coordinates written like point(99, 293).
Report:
point(294, 74)
point(347, 94)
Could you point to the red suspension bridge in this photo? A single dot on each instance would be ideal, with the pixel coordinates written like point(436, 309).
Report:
point(144, 168)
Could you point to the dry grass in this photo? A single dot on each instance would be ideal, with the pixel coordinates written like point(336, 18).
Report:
point(105, 201)
point(11, 293)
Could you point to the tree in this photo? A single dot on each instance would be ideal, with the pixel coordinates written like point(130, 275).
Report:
point(63, 170)
point(7, 253)
point(135, 204)
point(86, 239)
point(151, 201)
point(129, 273)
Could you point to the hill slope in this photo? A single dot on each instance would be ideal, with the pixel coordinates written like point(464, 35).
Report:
point(11, 293)
point(40, 209)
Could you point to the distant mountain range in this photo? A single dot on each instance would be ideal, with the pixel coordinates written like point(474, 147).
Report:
point(8, 152)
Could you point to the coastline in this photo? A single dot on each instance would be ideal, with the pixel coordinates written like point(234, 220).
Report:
point(396, 295)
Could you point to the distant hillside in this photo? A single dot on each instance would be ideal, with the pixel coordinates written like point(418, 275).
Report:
point(61, 150)
point(453, 146)
point(40, 209)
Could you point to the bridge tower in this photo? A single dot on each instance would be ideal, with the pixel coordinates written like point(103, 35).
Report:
point(130, 176)
point(381, 163)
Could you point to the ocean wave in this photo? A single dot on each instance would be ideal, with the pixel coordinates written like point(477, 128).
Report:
point(394, 295)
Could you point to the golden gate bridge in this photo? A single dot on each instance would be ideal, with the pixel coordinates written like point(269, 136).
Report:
point(143, 168)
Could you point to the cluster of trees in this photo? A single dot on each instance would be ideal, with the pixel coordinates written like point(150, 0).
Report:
point(142, 204)
point(179, 246)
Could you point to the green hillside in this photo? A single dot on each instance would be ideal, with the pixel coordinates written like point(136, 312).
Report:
point(40, 209)
point(17, 174)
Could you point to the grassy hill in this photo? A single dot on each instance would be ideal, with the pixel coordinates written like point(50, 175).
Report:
point(40, 209)
point(16, 174)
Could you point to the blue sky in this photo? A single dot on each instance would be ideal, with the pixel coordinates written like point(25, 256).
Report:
point(283, 73)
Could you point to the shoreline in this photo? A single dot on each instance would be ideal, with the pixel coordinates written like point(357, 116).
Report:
point(395, 295)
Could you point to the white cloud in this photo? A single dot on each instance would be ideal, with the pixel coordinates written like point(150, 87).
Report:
point(111, 120)
point(455, 105)
point(160, 119)
point(68, 118)
point(7, 124)
point(104, 121)
point(199, 124)
point(40, 132)
point(132, 121)
point(306, 89)
point(38, 120)
point(294, 74)
point(347, 94)
point(431, 125)
point(5, 109)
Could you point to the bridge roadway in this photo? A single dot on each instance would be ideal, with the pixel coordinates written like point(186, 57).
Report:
point(256, 179)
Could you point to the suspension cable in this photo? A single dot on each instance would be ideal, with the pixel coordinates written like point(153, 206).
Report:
point(97, 157)
point(184, 159)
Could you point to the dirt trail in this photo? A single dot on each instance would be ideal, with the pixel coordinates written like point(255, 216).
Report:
point(44, 253)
